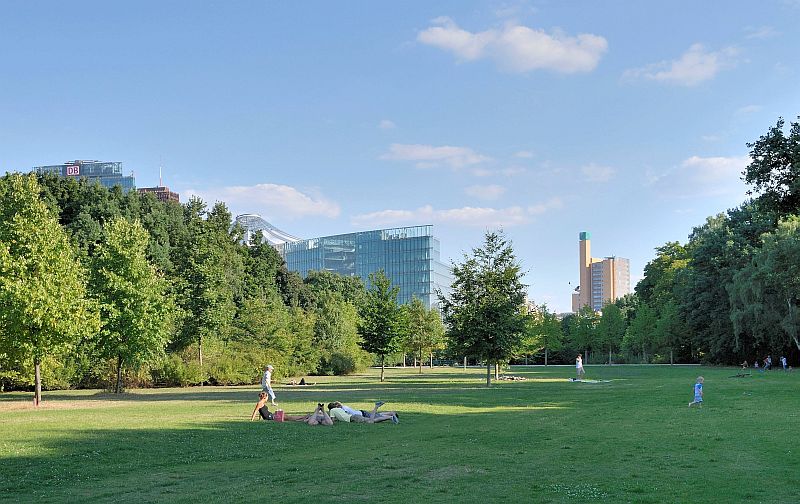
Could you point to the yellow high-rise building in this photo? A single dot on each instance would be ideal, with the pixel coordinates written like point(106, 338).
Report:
point(602, 281)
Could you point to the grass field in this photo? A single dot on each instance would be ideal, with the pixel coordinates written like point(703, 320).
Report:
point(545, 439)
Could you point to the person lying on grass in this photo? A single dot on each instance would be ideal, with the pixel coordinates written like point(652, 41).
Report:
point(317, 417)
point(346, 414)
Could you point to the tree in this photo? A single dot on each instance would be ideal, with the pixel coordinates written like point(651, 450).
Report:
point(424, 330)
point(640, 333)
point(774, 169)
point(336, 335)
point(483, 313)
point(543, 332)
point(134, 310)
point(768, 289)
point(670, 328)
point(381, 318)
point(582, 330)
point(43, 303)
point(611, 329)
point(208, 277)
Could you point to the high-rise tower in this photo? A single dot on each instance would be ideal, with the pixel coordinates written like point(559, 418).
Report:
point(602, 281)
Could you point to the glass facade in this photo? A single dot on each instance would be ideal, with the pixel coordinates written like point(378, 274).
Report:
point(108, 174)
point(409, 256)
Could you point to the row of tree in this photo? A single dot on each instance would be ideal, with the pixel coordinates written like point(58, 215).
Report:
point(99, 284)
point(99, 287)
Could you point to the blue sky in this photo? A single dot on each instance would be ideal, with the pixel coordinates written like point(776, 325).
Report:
point(627, 119)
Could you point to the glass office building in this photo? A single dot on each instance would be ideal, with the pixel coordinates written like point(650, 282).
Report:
point(409, 256)
point(108, 174)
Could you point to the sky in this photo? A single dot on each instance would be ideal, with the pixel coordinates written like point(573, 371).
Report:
point(627, 119)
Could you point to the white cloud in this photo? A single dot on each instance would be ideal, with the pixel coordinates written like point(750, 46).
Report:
point(429, 156)
point(517, 48)
point(268, 200)
point(761, 32)
point(699, 177)
point(485, 192)
point(546, 206)
point(386, 124)
point(748, 109)
point(524, 154)
point(696, 65)
point(597, 173)
point(481, 217)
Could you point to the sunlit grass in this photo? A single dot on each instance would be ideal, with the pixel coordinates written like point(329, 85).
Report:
point(545, 439)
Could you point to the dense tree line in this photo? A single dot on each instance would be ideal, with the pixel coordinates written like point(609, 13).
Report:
point(101, 288)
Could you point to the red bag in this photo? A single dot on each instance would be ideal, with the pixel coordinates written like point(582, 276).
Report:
point(278, 416)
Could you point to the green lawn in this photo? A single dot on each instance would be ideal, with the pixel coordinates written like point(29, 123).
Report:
point(542, 440)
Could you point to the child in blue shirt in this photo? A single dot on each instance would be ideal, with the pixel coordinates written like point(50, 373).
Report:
point(698, 392)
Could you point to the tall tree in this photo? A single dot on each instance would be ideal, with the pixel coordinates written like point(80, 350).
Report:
point(207, 278)
point(639, 337)
point(611, 329)
point(766, 293)
point(43, 303)
point(424, 330)
point(134, 310)
point(483, 313)
point(774, 169)
point(381, 319)
point(543, 332)
point(583, 330)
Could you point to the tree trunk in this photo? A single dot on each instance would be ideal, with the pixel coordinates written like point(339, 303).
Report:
point(488, 374)
point(431, 355)
point(496, 370)
point(119, 375)
point(609, 356)
point(671, 361)
point(37, 391)
point(545, 357)
point(526, 360)
point(383, 367)
point(420, 362)
point(404, 360)
point(465, 363)
point(200, 355)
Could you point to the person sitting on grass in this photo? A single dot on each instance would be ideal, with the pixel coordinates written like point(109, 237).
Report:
point(338, 412)
point(318, 417)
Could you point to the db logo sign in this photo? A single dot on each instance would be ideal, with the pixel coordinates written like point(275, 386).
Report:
point(73, 170)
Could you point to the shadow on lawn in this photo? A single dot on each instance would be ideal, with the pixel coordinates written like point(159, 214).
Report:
point(223, 460)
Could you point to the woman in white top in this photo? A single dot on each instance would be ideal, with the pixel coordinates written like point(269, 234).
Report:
point(579, 367)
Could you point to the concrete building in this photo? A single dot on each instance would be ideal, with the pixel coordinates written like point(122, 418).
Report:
point(602, 281)
point(107, 173)
point(161, 193)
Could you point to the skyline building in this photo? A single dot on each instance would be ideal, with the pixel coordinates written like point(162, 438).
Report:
point(252, 223)
point(409, 256)
point(161, 193)
point(602, 281)
point(107, 173)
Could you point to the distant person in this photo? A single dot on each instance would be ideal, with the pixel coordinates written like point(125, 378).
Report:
point(783, 363)
point(744, 365)
point(579, 372)
point(266, 384)
point(698, 392)
point(768, 363)
point(755, 363)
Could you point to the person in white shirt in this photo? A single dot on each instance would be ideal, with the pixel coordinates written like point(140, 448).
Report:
point(266, 384)
point(579, 367)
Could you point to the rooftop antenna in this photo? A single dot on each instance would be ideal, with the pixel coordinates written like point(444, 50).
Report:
point(160, 164)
